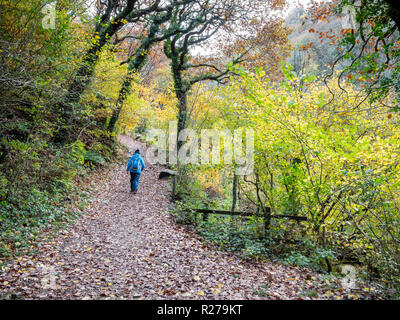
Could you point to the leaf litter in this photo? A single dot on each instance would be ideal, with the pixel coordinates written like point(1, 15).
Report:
point(128, 246)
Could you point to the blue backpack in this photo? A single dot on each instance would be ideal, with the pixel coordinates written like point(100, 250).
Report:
point(135, 164)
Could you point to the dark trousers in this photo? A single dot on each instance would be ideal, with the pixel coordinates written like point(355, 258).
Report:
point(135, 181)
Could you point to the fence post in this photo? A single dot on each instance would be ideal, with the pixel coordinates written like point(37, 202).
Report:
point(267, 219)
point(205, 215)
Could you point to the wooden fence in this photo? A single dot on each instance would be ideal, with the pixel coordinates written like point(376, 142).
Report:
point(267, 215)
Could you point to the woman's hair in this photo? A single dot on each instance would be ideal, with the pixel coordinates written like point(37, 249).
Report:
point(137, 151)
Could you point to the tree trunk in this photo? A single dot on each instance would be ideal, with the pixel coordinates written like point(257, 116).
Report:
point(182, 107)
point(80, 81)
point(180, 88)
point(134, 66)
point(234, 192)
point(267, 218)
point(85, 72)
point(120, 102)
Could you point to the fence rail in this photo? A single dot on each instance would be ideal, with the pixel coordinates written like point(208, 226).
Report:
point(267, 215)
point(248, 214)
point(165, 174)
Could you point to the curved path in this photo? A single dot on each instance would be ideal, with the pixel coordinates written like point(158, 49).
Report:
point(129, 247)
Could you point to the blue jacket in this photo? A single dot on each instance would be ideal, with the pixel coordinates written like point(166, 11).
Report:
point(141, 163)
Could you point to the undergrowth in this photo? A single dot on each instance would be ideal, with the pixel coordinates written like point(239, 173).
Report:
point(41, 201)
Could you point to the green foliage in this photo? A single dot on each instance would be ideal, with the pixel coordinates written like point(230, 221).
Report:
point(228, 233)
point(371, 49)
point(298, 259)
point(94, 158)
point(309, 255)
point(321, 152)
point(37, 176)
point(25, 222)
point(309, 293)
point(142, 126)
point(231, 236)
point(262, 290)
point(338, 168)
point(38, 194)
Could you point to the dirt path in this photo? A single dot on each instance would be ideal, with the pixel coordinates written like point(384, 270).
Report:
point(128, 247)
